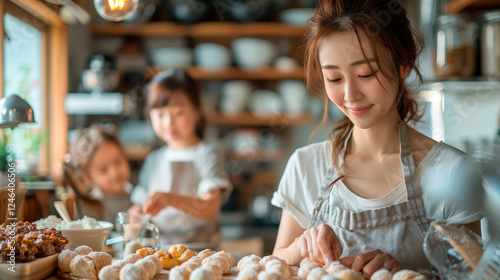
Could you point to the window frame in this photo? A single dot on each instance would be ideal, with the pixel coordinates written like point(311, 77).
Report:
point(54, 66)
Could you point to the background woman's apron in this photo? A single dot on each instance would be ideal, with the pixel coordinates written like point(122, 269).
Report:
point(398, 229)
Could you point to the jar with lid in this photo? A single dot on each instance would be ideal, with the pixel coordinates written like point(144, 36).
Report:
point(455, 47)
point(490, 44)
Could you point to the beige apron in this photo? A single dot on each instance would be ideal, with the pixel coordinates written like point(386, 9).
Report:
point(398, 229)
point(177, 226)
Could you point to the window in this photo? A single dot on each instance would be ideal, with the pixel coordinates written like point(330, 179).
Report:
point(33, 64)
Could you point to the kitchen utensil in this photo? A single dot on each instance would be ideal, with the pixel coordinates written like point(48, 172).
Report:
point(137, 228)
point(294, 95)
point(490, 45)
point(253, 52)
point(95, 238)
point(172, 57)
point(250, 10)
point(455, 46)
point(82, 15)
point(189, 11)
point(97, 81)
point(297, 16)
point(234, 96)
point(63, 212)
point(265, 102)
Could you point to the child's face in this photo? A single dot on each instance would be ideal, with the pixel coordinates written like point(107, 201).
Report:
point(350, 83)
point(176, 122)
point(109, 169)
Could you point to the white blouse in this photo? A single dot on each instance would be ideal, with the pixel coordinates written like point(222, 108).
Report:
point(307, 167)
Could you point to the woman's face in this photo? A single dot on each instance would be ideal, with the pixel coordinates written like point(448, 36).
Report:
point(108, 169)
point(350, 83)
point(176, 122)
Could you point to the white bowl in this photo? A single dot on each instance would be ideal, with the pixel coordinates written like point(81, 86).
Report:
point(265, 102)
point(212, 56)
point(253, 52)
point(298, 16)
point(94, 238)
point(172, 57)
point(294, 94)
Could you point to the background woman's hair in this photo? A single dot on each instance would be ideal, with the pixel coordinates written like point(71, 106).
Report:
point(396, 44)
point(166, 83)
point(85, 143)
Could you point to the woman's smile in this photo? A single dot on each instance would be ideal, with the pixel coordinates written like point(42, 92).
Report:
point(359, 111)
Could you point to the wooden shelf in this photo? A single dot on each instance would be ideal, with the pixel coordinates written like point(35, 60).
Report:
point(259, 120)
point(265, 73)
point(258, 155)
point(170, 29)
point(204, 29)
point(228, 29)
point(235, 73)
point(459, 5)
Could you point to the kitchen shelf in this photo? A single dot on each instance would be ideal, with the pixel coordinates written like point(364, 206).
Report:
point(169, 29)
point(249, 119)
point(259, 155)
point(204, 29)
point(459, 5)
point(236, 73)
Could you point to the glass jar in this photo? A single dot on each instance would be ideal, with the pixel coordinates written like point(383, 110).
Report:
point(490, 45)
point(455, 47)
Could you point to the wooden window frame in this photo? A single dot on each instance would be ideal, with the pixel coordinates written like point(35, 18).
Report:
point(54, 78)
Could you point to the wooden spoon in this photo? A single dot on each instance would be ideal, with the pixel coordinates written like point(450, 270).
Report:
point(63, 212)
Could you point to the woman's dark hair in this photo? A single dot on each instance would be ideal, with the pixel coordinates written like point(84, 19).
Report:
point(396, 44)
point(169, 82)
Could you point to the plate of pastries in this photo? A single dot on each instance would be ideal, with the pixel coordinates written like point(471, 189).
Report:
point(181, 263)
point(28, 252)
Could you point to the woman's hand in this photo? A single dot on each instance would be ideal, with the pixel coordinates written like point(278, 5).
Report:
point(155, 202)
point(369, 262)
point(320, 243)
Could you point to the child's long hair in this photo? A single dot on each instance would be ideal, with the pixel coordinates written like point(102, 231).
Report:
point(171, 82)
point(396, 43)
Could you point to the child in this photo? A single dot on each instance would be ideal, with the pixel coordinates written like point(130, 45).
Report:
point(367, 196)
point(97, 160)
point(182, 185)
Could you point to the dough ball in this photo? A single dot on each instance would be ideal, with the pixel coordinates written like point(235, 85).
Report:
point(407, 274)
point(217, 260)
point(187, 255)
point(64, 260)
point(177, 250)
point(131, 247)
point(265, 275)
point(202, 274)
point(119, 263)
point(133, 272)
point(216, 269)
point(101, 259)
point(156, 261)
point(305, 269)
point(316, 274)
point(190, 266)
point(266, 259)
point(329, 277)
point(167, 260)
point(349, 274)
point(179, 273)
point(227, 256)
point(206, 253)
point(83, 250)
point(110, 272)
point(197, 260)
point(149, 266)
point(83, 266)
point(382, 274)
point(248, 274)
point(308, 260)
point(334, 268)
point(253, 266)
point(133, 258)
point(245, 259)
point(144, 252)
point(278, 266)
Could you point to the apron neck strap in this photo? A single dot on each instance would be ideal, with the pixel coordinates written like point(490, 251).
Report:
point(407, 162)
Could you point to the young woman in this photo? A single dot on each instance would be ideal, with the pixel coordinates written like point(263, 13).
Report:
point(366, 195)
point(182, 184)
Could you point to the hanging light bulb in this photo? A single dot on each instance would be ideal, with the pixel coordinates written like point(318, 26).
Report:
point(115, 10)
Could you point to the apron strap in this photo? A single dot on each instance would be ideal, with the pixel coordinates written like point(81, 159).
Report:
point(407, 162)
